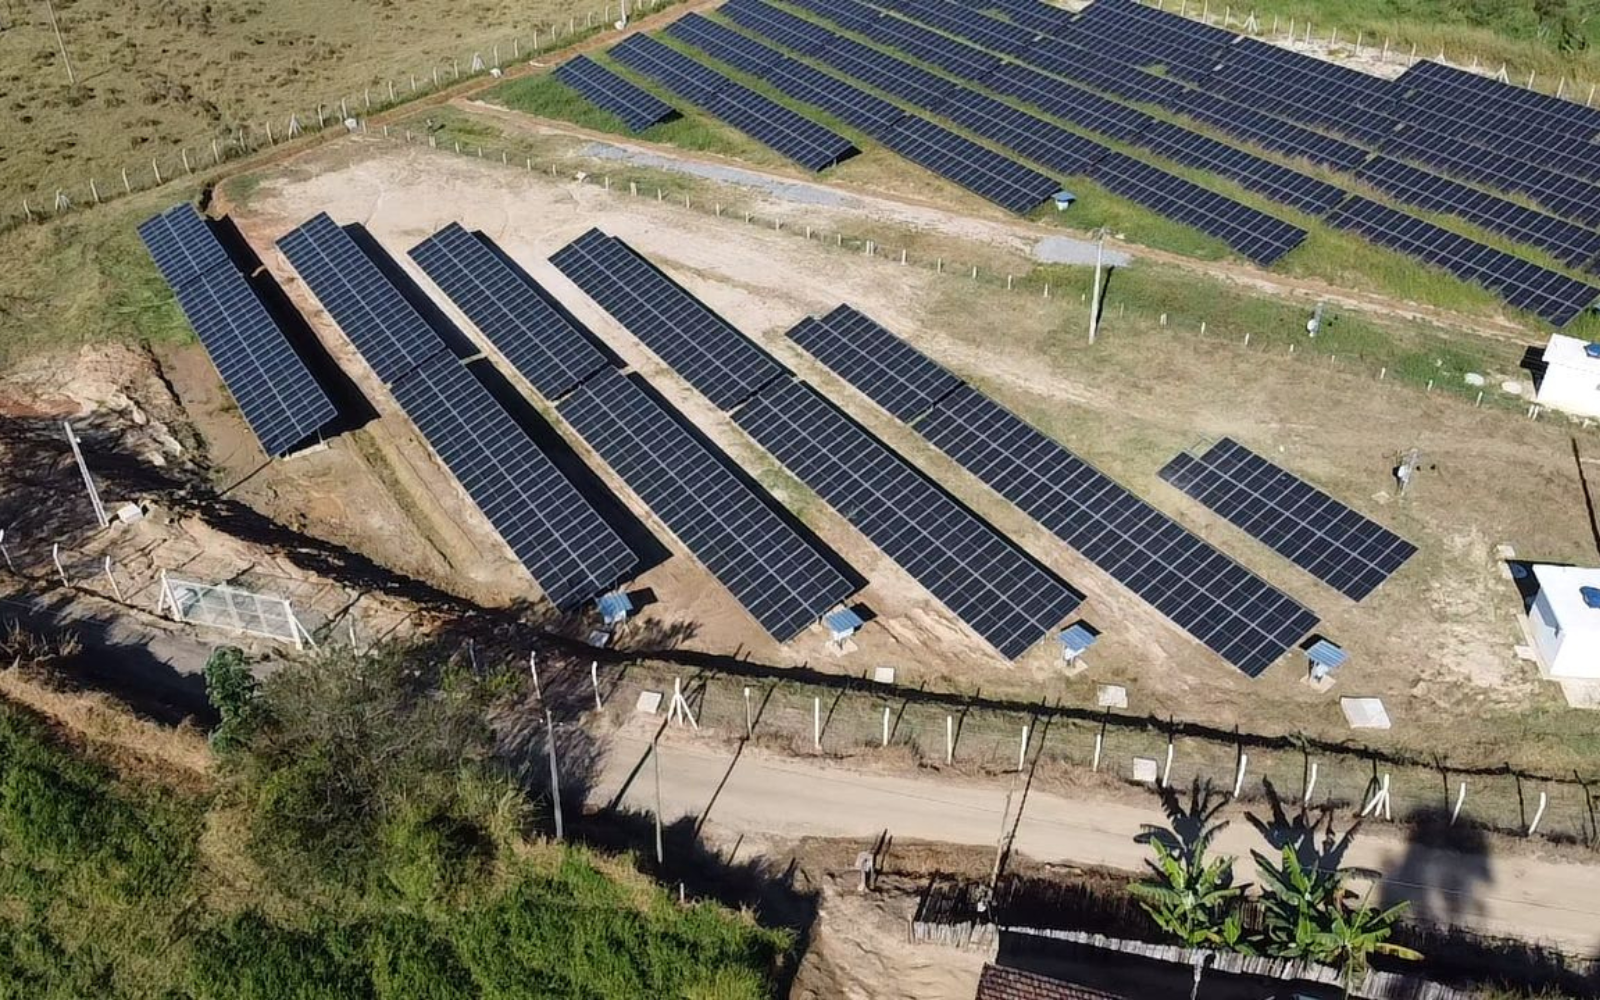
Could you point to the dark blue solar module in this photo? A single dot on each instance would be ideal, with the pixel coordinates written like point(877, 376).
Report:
point(1252, 232)
point(1069, 102)
point(979, 29)
point(182, 245)
point(1565, 240)
point(1031, 137)
point(1569, 197)
point(701, 346)
point(1349, 552)
point(1276, 134)
point(782, 577)
point(638, 108)
point(968, 62)
point(570, 551)
point(846, 13)
point(541, 343)
point(1246, 621)
point(274, 390)
point(390, 334)
point(797, 33)
point(876, 68)
point(985, 579)
point(788, 132)
point(1278, 91)
point(1184, 49)
point(1081, 60)
point(1502, 133)
point(1527, 106)
point(888, 370)
point(1546, 293)
point(1004, 181)
point(1031, 14)
point(725, 44)
point(1281, 184)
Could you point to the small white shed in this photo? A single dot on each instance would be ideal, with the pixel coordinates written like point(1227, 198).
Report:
point(1572, 376)
point(1565, 620)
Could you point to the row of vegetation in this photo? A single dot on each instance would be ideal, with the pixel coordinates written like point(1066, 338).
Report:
point(360, 840)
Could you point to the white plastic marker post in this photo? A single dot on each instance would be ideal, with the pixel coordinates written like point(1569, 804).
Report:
point(949, 739)
point(816, 723)
point(886, 725)
point(6, 552)
point(550, 746)
point(1099, 742)
point(594, 681)
point(1533, 827)
point(1379, 800)
point(55, 555)
point(1311, 784)
point(1461, 800)
point(112, 577)
point(749, 727)
point(1166, 772)
point(1238, 780)
point(1022, 751)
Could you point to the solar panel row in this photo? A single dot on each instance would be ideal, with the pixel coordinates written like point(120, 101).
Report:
point(274, 390)
point(1529, 106)
point(1069, 103)
point(1253, 233)
point(1281, 184)
point(1509, 137)
point(779, 575)
point(1079, 59)
point(1043, 18)
point(725, 44)
point(1343, 549)
point(1523, 284)
point(182, 245)
point(848, 14)
point(568, 548)
point(390, 334)
point(967, 62)
point(981, 170)
point(1241, 617)
point(1275, 90)
point(1565, 240)
point(1184, 49)
point(788, 132)
point(1566, 196)
point(638, 108)
point(537, 338)
point(893, 76)
point(804, 37)
point(697, 343)
point(1041, 141)
point(1269, 132)
point(987, 581)
point(981, 30)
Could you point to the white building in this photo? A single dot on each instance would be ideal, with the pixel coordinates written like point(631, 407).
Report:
point(1572, 376)
point(1565, 621)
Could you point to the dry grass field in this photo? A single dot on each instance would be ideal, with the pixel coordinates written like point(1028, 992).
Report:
point(157, 76)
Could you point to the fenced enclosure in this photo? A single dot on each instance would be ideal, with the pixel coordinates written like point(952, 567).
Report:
point(233, 609)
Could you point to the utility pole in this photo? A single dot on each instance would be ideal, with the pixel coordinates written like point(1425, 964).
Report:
point(72, 78)
point(550, 745)
point(1094, 299)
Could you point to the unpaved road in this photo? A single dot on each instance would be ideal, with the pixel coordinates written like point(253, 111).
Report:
point(760, 794)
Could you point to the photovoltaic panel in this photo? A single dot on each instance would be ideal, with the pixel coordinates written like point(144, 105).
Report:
point(1184, 49)
point(1565, 240)
point(797, 33)
point(968, 62)
point(1529, 106)
point(1028, 136)
point(723, 43)
point(1253, 233)
point(792, 134)
point(1431, 111)
point(779, 575)
point(639, 109)
point(1330, 78)
point(892, 75)
point(888, 370)
point(1306, 90)
point(390, 334)
point(1069, 102)
point(1044, 18)
point(1078, 59)
point(1280, 183)
point(847, 14)
point(1276, 134)
point(981, 170)
point(711, 355)
point(845, 101)
point(1549, 294)
point(979, 29)
point(571, 552)
point(1349, 552)
point(274, 390)
point(1232, 611)
point(541, 343)
point(982, 577)
point(182, 245)
point(1569, 197)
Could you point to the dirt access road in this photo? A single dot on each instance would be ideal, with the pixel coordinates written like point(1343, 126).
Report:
point(752, 793)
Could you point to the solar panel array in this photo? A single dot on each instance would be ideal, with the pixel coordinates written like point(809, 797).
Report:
point(1069, 103)
point(390, 334)
point(1569, 197)
point(957, 58)
point(725, 44)
point(1529, 106)
point(537, 338)
point(893, 76)
point(566, 546)
point(981, 170)
point(1523, 284)
point(711, 355)
point(984, 579)
point(274, 390)
point(788, 132)
point(1083, 61)
point(1268, 132)
point(1504, 133)
point(1041, 141)
point(1343, 549)
point(1250, 231)
point(797, 33)
point(1565, 240)
point(1275, 181)
point(1183, 49)
point(777, 574)
point(1041, 17)
point(1232, 611)
point(182, 245)
point(638, 108)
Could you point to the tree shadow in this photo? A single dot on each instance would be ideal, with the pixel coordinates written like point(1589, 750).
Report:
point(1444, 867)
point(1308, 833)
point(1190, 829)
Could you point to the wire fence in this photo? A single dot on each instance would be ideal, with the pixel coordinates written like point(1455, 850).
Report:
point(204, 155)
